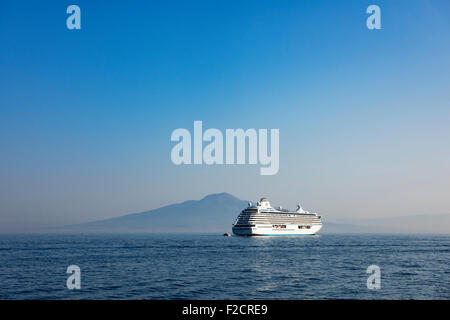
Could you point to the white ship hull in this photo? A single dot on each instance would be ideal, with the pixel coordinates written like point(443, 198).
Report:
point(268, 230)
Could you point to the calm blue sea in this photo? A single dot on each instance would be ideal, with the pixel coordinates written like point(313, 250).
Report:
point(206, 266)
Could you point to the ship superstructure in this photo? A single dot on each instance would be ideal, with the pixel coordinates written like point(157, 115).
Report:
point(261, 219)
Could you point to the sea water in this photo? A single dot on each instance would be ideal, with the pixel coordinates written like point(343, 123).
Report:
point(211, 266)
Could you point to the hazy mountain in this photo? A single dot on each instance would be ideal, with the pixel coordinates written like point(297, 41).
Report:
point(217, 212)
point(425, 223)
point(213, 213)
point(331, 227)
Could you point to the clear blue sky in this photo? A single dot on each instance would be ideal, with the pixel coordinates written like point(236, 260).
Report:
point(86, 115)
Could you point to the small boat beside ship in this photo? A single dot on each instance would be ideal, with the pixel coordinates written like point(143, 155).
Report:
point(261, 219)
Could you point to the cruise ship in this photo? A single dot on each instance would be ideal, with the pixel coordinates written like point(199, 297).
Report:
point(261, 219)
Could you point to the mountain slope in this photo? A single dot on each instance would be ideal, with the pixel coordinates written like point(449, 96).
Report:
point(425, 223)
point(213, 213)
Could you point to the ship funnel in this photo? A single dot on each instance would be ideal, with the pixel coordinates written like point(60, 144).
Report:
point(299, 207)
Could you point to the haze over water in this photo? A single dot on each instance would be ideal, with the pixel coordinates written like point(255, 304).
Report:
point(210, 266)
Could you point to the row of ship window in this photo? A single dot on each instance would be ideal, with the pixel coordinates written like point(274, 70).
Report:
point(276, 226)
point(282, 226)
